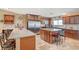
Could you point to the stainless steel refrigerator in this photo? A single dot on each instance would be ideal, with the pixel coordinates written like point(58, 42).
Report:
point(34, 25)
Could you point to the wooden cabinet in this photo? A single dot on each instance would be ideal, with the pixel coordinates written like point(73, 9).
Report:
point(32, 17)
point(74, 34)
point(8, 19)
point(66, 20)
point(42, 34)
point(41, 18)
point(46, 21)
point(76, 19)
point(71, 19)
point(27, 43)
point(51, 37)
point(77, 34)
point(46, 36)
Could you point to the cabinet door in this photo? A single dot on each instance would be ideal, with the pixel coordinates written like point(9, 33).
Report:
point(41, 18)
point(30, 17)
point(42, 34)
point(8, 19)
point(72, 20)
point(66, 20)
point(76, 19)
point(66, 33)
point(48, 36)
point(27, 43)
point(52, 39)
point(72, 34)
point(36, 17)
point(45, 35)
point(78, 34)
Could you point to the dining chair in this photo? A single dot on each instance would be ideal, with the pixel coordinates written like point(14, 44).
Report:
point(7, 44)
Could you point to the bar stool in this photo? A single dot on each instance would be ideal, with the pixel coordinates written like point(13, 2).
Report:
point(61, 33)
point(56, 38)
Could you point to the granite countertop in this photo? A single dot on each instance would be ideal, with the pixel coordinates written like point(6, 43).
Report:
point(50, 29)
point(69, 28)
point(17, 33)
point(65, 27)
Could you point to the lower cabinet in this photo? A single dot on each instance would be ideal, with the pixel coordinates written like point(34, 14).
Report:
point(46, 36)
point(27, 43)
point(42, 34)
point(74, 34)
point(78, 34)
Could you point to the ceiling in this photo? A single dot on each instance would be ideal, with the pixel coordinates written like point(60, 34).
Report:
point(48, 12)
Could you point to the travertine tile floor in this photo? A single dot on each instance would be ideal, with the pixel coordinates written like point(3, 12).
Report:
point(69, 44)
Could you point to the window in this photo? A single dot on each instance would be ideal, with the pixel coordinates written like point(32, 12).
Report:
point(58, 22)
point(45, 21)
point(55, 22)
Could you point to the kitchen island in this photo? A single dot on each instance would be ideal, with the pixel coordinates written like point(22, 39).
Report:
point(46, 34)
point(25, 39)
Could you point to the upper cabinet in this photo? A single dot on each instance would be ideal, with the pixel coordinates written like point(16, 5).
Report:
point(46, 21)
point(71, 19)
point(77, 19)
point(32, 17)
point(66, 20)
point(8, 19)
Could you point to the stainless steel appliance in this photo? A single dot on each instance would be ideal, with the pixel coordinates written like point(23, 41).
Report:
point(34, 25)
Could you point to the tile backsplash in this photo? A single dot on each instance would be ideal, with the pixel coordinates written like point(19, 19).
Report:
point(69, 26)
point(72, 26)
